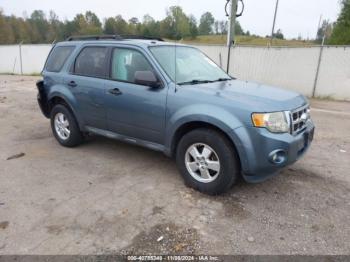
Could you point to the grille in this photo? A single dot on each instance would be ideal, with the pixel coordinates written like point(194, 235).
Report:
point(299, 119)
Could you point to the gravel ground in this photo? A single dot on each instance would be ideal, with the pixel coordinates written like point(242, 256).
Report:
point(110, 197)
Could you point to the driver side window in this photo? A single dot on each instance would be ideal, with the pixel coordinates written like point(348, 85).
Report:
point(126, 62)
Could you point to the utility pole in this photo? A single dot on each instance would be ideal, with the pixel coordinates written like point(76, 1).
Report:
point(20, 56)
point(318, 27)
point(274, 22)
point(231, 31)
point(318, 65)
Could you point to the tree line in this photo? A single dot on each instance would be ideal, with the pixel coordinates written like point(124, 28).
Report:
point(340, 31)
point(42, 28)
point(336, 33)
point(39, 27)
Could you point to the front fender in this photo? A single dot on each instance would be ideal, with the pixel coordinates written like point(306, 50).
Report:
point(213, 115)
point(218, 117)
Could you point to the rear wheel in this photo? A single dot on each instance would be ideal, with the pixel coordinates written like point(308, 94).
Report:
point(207, 161)
point(65, 127)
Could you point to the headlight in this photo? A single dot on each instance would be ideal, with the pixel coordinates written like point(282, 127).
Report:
point(274, 122)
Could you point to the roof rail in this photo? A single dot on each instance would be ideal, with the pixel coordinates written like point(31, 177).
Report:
point(94, 37)
point(142, 37)
point(110, 37)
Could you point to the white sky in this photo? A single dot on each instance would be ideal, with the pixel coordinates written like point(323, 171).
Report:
point(294, 17)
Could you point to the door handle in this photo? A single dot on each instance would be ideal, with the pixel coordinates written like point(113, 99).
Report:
point(115, 91)
point(72, 84)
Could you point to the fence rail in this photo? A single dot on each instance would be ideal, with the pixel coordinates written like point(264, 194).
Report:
point(306, 70)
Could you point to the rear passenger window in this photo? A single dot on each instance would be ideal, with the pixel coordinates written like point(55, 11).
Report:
point(92, 61)
point(58, 57)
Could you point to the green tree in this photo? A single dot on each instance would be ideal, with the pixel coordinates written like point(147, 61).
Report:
point(39, 27)
point(176, 24)
point(92, 19)
point(150, 27)
point(42, 28)
point(278, 34)
point(220, 27)
point(6, 33)
point(80, 25)
point(325, 30)
point(116, 26)
point(69, 28)
point(341, 31)
point(109, 26)
point(121, 26)
point(223, 27)
point(206, 24)
point(193, 26)
point(167, 29)
point(21, 30)
point(216, 27)
point(87, 24)
point(134, 26)
point(134, 20)
point(238, 29)
point(55, 28)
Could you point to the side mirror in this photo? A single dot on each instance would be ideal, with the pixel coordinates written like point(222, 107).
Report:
point(146, 78)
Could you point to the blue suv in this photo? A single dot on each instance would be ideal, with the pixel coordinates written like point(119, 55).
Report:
point(174, 99)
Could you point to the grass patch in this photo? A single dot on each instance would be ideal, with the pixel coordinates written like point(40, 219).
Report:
point(326, 97)
point(13, 74)
point(34, 74)
point(5, 73)
point(245, 40)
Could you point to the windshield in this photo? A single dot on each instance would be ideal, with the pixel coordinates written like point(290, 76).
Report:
point(187, 65)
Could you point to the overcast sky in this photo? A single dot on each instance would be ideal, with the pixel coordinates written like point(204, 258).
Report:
point(294, 17)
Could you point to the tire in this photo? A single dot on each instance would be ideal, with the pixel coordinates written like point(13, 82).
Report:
point(71, 136)
point(221, 177)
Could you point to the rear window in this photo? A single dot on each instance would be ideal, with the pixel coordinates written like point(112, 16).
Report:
point(92, 61)
point(58, 57)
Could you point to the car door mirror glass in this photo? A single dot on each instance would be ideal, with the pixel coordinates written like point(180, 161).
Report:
point(147, 78)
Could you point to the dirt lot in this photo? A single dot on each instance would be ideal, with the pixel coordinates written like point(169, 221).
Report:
point(110, 197)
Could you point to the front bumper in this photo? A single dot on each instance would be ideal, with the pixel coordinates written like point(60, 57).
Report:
point(257, 146)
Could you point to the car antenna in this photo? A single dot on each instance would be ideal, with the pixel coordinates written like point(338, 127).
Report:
point(176, 9)
point(175, 69)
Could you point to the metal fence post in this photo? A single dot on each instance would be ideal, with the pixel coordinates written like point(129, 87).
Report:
point(318, 67)
point(14, 65)
point(20, 57)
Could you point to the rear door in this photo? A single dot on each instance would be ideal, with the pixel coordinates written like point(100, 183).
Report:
point(51, 73)
point(87, 83)
point(134, 110)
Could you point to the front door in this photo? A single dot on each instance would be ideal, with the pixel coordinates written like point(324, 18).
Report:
point(134, 110)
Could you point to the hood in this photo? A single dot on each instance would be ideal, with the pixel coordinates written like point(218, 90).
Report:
point(257, 97)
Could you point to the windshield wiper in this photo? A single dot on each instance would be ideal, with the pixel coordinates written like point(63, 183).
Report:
point(222, 79)
point(195, 82)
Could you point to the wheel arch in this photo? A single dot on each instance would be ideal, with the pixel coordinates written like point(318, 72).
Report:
point(57, 100)
point(62, 100)
point(190, 126)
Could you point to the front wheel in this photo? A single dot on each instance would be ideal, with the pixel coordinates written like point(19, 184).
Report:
point(207, 161)
point(65, 127)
